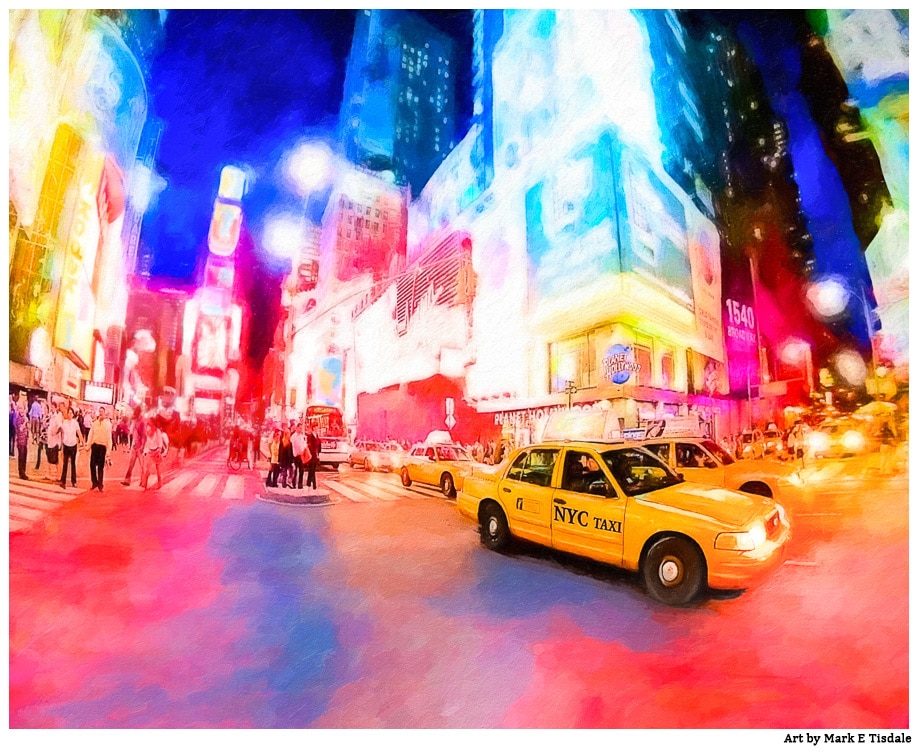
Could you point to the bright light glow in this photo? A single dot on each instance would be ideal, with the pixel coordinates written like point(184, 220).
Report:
point(232, 183)
point(828, 297)
point(853, 441)
point(794, 351)
point(818, 442)
point(309, 167)
point(284, 235)
point(851, 367)
point(145, 186)
point(40, 353)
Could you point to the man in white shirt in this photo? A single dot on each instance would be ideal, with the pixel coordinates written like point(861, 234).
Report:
point(100, 444)
point(52, 450)
point(71, 438)
point(154, 449)
point(298, 442)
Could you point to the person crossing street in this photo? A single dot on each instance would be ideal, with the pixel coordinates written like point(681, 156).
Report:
point(313, 445)
point(154, 450)
point(298, 442)
point(138, 438)
point(71, 439)
point(100, 444)
point(22, 440)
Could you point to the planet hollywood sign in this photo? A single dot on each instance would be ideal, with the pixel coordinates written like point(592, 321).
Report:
point(518, 418)
point(618, 364)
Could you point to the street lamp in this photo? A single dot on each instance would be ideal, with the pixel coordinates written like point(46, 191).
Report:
point(570, 389)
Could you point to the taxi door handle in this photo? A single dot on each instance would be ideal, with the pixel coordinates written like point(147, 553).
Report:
point(562, 502)
point(506, 490)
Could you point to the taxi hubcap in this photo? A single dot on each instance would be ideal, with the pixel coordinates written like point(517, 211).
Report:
point(670, 571)
point(492, 527)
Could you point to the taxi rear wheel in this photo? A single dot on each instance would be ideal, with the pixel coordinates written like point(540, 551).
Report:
point(406, 479)
point(758, 488)
point(674, 571)
point(447, 485)
point(495, 533)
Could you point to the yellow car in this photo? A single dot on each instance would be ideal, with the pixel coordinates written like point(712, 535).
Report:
point(705, 461)
point(442, 465)
point(620, 504)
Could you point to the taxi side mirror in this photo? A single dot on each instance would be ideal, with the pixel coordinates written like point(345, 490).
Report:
point(680, 476)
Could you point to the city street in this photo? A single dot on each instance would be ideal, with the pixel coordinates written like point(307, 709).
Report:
point(201, 606)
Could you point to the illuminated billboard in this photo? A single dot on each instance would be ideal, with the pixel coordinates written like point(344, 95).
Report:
point(225, 225)
point(211, 345)
point(571, 222)
point(654, 231)
point(232, 183)
point(329, 390)
point(73, 331)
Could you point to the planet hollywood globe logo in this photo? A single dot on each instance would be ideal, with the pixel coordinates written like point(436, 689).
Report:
point(618, 364)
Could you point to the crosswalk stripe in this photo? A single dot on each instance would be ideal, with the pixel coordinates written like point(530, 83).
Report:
point(44, 489)
point(206, 486)
point(18, 525)
point(45, 494)
point(386, 492)
point(346, 491)
point(33, 502)
point(26, 514)
point(181, 480)
point(234, 489)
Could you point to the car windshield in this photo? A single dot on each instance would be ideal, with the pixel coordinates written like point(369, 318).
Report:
point(772, 435)
point(748, 438)
point(638, 471)
point(452, 453)
point(718, 451)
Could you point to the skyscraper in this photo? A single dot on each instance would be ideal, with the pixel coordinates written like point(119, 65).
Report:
point(399, 107)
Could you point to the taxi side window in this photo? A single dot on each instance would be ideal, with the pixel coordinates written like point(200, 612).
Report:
point(516, 469)
point(692, 455)
point(430, 453)
point(661, 450)
point(582, 474)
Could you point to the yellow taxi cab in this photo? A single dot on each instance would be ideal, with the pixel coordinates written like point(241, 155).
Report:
point(705, 461)
point(442, 465)
point(620, 504)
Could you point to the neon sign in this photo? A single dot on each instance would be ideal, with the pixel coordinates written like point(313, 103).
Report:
point(225, 225)
point(618, 364)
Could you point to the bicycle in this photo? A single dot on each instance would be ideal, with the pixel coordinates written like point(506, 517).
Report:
point(235, 458)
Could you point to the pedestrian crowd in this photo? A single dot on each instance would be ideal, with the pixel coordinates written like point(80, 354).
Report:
point(293, 452)
point(60, 429)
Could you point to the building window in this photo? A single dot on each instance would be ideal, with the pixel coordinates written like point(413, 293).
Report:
point(667, 373)
point(572, 360)
point(642, 357)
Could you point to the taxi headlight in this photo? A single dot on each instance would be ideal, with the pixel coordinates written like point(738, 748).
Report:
point(742, 541)
point(782, 515)
point(818, 442)
point(780, 446)
point(853, 441)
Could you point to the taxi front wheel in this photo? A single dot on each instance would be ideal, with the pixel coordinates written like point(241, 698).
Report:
point(673, 571)
point(406, 479)
point(495, 533)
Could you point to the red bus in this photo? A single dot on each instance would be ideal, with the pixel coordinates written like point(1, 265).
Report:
point(328, 424)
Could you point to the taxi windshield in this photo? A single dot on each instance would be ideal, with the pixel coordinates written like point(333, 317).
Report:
point(721, 454)
point(638, 471)
point(452, 453)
